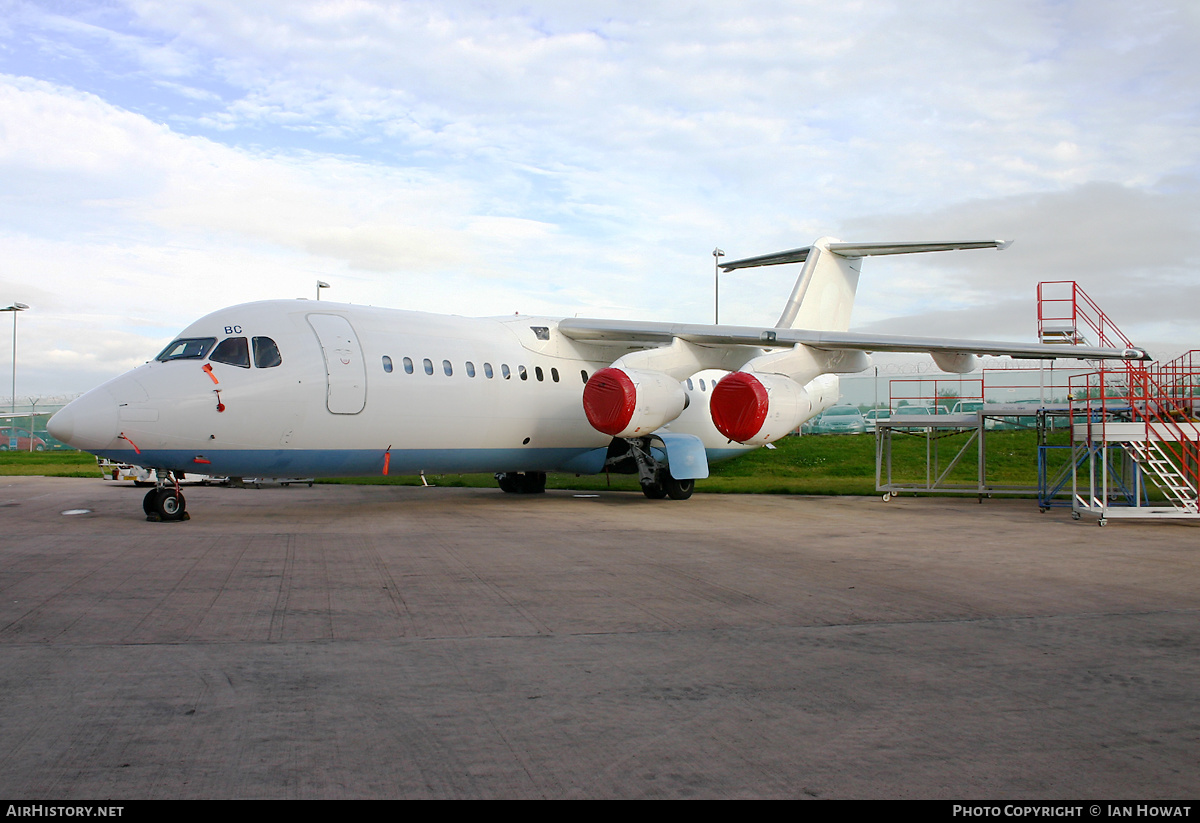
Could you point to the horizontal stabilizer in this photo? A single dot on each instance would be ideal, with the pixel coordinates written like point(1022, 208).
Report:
point(863, 250)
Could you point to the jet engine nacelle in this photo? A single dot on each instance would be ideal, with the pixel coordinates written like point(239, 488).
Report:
point(631, 403)
point(756, 409)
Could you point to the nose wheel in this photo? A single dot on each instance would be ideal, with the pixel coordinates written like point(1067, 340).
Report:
point(165, 505)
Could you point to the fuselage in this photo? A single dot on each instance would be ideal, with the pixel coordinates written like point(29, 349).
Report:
point(291, 388)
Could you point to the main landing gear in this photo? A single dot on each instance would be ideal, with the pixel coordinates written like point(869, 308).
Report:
point(164, 503)
point(664, 485)
point(522, 482)
point(654, 477)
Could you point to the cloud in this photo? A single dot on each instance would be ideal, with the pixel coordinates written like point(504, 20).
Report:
point(163, 159)
point(1136, 251)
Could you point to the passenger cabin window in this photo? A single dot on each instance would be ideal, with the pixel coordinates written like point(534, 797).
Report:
point(470, 369)
point(504, 371)
point(583, 374)
point(188, 348)
point(487, 370)
point(408, 366)
point(266, 354)
point(428, 366)
point(387, 363)
point(689, 385)
point(447, 368)
point(232, 351)
point(521, 371)
point(554, 375)
point(537, 371)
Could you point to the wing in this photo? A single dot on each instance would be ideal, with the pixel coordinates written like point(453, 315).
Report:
point(658, 334)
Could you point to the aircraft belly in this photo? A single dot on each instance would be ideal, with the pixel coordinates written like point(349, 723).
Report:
point(363, 462)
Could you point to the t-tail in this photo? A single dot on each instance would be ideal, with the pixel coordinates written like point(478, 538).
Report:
point(823, 296)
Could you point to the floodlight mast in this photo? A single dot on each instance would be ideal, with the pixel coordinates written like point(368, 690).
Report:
point(14, 308)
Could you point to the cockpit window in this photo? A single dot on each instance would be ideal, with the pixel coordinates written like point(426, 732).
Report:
point(187, 348)
point(266, 354)
point(233, 351)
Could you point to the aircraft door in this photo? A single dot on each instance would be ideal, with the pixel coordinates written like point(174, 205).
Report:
point(345, 371)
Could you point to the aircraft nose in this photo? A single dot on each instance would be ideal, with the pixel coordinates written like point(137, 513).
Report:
point(88, 422)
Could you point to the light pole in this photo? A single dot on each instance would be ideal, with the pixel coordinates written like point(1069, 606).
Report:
point(14, 308)
point(717, 255)
point(321, 284)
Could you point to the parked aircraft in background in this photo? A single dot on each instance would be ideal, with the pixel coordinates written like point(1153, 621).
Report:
point(292, 388)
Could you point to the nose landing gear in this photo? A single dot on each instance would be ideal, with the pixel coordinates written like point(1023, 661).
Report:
point(165, 503)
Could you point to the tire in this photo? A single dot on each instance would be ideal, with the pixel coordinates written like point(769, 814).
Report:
point(678, 489)
point(522, 482)
point(654, 491)
point(169, 505)
point(148, 502)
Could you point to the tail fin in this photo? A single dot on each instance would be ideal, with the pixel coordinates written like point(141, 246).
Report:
point(823, 296)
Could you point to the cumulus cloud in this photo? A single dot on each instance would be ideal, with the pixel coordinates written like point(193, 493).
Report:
point(159, 160)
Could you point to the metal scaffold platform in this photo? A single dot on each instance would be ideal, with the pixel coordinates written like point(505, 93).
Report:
point(1143, 418)
point(955, 446)
point(1129, 438)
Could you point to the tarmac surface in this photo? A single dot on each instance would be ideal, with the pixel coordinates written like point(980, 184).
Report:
point(389, 642)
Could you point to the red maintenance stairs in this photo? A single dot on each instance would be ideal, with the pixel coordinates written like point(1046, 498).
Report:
point(1132, 423)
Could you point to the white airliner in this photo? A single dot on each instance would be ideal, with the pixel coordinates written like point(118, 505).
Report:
point(293, 388)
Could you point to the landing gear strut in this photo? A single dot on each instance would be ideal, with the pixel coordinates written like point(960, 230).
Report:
point(164, 503)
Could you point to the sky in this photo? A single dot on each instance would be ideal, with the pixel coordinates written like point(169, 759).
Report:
point(161, 160)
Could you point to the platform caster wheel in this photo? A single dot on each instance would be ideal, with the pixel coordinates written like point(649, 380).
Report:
point(678, 489)
point(1075, 515)
point(1101, 522)
point(168, 506)
point(887, 497)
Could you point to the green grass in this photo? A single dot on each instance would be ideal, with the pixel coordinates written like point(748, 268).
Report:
point(830, 464)
point(49, 464)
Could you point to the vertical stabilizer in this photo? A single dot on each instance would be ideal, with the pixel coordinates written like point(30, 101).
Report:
point(823, 296)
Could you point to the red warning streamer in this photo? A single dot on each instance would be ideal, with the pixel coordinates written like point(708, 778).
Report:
point(122, 436)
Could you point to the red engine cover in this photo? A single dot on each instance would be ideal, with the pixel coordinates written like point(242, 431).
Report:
point(609, 400)
point(739, 406)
